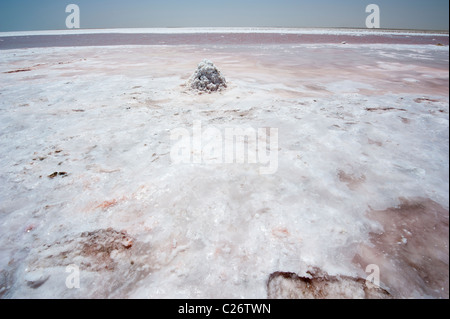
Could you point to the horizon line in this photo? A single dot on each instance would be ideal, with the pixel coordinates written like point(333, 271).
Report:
point(278, 29)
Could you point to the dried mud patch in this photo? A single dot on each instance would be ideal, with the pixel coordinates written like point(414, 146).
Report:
point(351, 180)
point(95, 250)
point(285, 285)
point(412, 250)
point(110, 262)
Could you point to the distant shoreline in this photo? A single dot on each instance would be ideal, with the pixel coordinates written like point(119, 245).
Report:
point(215, 36)
point(227, 30)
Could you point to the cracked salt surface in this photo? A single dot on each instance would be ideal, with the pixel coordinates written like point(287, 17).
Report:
point(352, 140)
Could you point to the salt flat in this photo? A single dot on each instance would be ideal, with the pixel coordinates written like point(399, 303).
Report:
point(363, 130)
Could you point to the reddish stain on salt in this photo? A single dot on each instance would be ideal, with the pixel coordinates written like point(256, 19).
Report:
point(412, 251)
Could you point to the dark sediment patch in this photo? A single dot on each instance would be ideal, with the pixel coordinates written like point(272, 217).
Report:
point(111, 262)
point(286, 285)
point(412, 251)
point(18, 70)
point(351, 180)
point(425, 99)
point(383, 109)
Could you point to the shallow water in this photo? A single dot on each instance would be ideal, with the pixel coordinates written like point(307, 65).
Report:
point(111, 39)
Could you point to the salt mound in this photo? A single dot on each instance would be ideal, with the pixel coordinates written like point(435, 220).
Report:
point(285, 285)
point(207, 78)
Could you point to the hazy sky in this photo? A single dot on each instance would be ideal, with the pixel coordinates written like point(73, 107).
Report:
point(18, 15)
